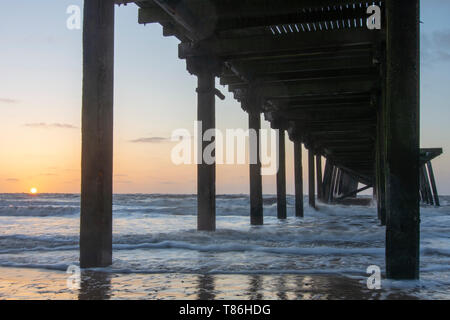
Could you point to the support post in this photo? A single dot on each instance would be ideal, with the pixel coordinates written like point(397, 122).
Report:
point(354, 192)
point(421, 191)
point(312, 199)
point(403, 77)
point(433, 184)
point(327, 177)
point(334, 177)
point(380, 167)
point(337, 190)
point(427, 185)
point(382, 137)
point(298, 176)
point(256, 198)
point(97, 134)
point(319, 176)
point(205, 68)
point(281, 176)
point(348, 183)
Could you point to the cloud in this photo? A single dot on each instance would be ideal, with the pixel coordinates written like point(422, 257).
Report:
point(123, 181)
point(12, 180)
point(436, 46)
point(8, 100)
point(50, 125)
point(442, 38)
point(150, 140)
point(167, 182)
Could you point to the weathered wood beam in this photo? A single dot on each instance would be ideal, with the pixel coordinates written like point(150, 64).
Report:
point(125, 2)
point(311, 179)
point(335, 74)
point(293, 18)
point(298, 89)
point(278, 66)
point(427, 185)
point(319, 176)
point(290, 43)
point(403, 105)
point(331, 136)
point(340, 125)
point(281, 176)
point(206, 69)
point(355, 192)
point(153, 14)
point(339, 141)
point(366, 179)
point(306, 54)
point(97, 134)
point(223, 23)
point(255, 8)
point(327, 176)
point(298, 179)
point(182, 15)
point(256, 196)
point(433, 184)
point(428, 154)
point(363, 98)
point(325, 108)
point(330, 116)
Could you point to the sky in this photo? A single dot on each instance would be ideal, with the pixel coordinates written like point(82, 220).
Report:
point(40, 103)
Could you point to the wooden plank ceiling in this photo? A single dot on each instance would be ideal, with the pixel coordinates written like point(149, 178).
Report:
point(315, 64)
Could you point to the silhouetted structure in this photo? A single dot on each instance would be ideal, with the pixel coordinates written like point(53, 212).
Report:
point(313, 67)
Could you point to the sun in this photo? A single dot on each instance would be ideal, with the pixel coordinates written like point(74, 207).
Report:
point(33, 190)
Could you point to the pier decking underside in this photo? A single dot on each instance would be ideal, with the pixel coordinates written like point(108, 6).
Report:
point(314, 69)
point(314, 65)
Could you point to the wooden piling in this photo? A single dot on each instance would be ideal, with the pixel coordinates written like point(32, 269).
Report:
point(326, 180)
point(348, 183)
point(337, 183)
point(333, 184)
point(256, 198)
point(327, 177)
point(426, 186)
point(380, 184)
point(433, 184)
point(298, 176)
point(382, 134)
point(206, 173)
point(206, 68)
point(97, 134)
point(281, 177)
point(319, 176)
point(403, 77)
point(311, 177)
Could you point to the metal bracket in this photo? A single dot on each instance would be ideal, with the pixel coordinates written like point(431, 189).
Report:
point(214, 90)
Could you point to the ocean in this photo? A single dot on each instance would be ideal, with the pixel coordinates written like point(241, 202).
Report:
point(159, 254)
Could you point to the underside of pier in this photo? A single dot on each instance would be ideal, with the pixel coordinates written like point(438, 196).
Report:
point(319, 70)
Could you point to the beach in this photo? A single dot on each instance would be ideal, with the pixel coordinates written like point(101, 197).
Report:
point(38, 284)
point(158, 254)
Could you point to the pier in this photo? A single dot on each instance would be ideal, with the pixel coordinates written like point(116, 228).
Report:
point(316, 72)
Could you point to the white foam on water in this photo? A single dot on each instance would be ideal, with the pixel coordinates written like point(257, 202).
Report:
point(157, 234)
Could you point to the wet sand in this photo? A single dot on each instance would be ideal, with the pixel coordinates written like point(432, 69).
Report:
point(19, 283)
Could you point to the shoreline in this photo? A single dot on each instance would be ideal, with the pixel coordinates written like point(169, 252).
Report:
point(40, 284)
